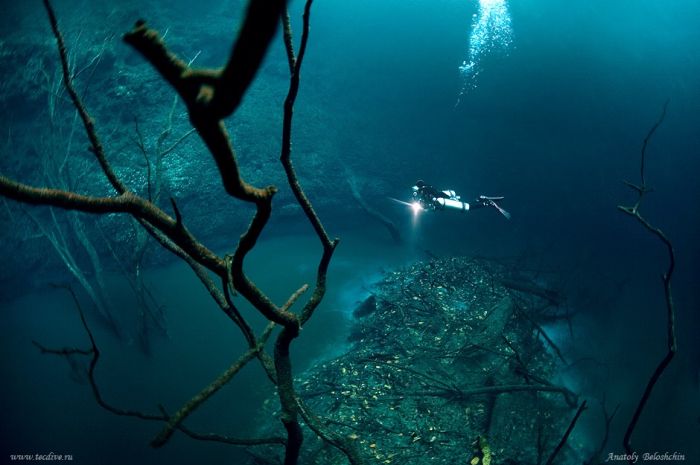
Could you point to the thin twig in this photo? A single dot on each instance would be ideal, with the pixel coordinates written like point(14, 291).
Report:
point(608, 417)
point(646, 141)
point(62, 351)
point(564, 438)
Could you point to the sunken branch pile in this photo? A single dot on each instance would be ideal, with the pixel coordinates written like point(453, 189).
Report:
point(442, 367)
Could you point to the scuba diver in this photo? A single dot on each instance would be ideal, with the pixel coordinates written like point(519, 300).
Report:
point(426, 197)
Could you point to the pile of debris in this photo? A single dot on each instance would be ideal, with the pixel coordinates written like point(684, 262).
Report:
point(446, 365)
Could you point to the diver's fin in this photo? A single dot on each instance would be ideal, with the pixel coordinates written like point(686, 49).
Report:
point(503, 212)
point(492, 201)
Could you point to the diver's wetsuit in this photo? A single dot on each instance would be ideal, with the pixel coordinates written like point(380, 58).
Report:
point(428, 197)
point(426, 191)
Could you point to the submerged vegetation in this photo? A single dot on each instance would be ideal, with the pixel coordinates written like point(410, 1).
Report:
point(210, 95)
point(441, 364)
point(448, 360)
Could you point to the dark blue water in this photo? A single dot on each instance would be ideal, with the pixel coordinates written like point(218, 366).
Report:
point(554, 121)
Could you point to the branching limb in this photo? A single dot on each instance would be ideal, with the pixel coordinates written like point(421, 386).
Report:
point(94, 351)
point(210, 390)
point(222, 299)
point(642, 188)
point(463, 393)
point(210, 95)
point(244, 285)
point(95, 144)
point(287, 394)
point(126, 202)
point(666, 277)
point(62, 351)
point(175, 421)
point(285, 156)
point(329, 245)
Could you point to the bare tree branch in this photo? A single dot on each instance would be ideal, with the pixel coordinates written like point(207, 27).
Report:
point(176, 421)
point(126, 202)
point(210, 390)
point(564, 438)
point(88, 123)
point(210, 95)
point(608, 417)
point(666, 277)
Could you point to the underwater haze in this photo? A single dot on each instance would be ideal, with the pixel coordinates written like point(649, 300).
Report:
point(545, 103)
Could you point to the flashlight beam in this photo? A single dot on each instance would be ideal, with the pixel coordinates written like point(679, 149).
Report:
point(401, 202)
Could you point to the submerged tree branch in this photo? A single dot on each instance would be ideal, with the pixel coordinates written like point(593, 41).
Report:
point(285, 156)
point(463, 393)
point(210, 95)
point(191, 405)
point(287, 394)
point(126, 202)
point(666, 277)
point(564, 438)
point(608, 418)
point(172, 422)
point(317, 426)
point(95, 144)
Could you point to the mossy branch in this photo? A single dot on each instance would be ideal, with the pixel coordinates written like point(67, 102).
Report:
point(192, 404)
point(285, 156)
point(287, 394)
point(126, 202)
point(198, 90)
point(210, 95)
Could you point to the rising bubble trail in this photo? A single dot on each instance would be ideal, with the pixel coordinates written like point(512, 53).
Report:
point(491, 31)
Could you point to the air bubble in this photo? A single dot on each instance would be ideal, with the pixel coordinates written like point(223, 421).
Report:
point(491, 31)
